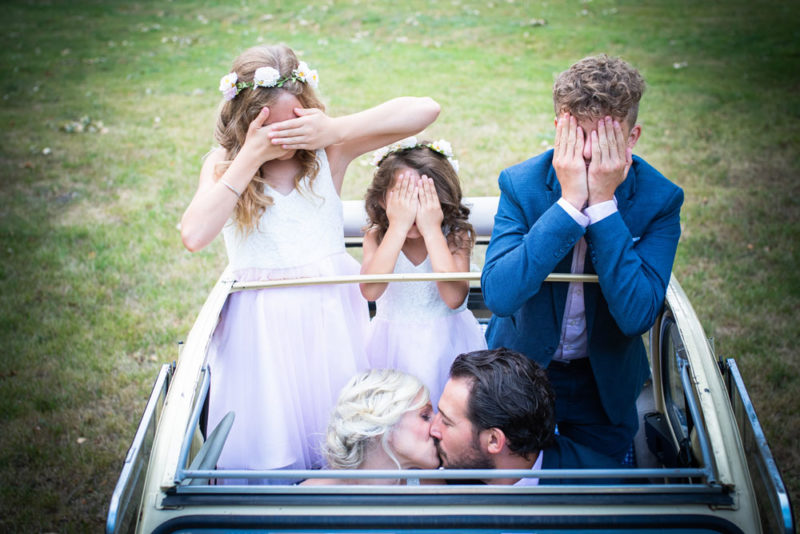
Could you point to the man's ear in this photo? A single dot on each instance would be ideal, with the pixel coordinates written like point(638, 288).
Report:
point(495, 440)
point(634, 135)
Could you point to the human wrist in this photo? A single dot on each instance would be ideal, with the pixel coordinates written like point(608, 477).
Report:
point(600, 197)
point(248, 159)
point(430, 231)
point(577, 200)
point(396, 231)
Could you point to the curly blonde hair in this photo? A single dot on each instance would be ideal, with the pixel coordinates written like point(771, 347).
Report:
point(369, 406)
point(434, 165)
point(235, 116)
point(597, 86)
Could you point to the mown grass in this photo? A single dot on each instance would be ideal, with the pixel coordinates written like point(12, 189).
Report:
point(97, 288)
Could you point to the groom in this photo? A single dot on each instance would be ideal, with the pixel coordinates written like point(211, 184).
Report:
point(496, 412)
point(587, 206)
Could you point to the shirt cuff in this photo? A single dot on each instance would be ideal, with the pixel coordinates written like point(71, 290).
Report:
point(598, 212)
point(573, 212)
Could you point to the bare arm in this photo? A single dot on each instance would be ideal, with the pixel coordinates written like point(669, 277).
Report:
point(443, 260)
point(401, 209)
point(347, 137)
point(214, 202)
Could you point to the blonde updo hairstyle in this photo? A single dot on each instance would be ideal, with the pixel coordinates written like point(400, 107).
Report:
point(369, 406)
point(235, 116)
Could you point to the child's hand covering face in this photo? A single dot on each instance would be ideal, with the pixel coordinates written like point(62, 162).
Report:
point(257, 139)
point(429, 213)
point(312, 129)
point(402, 200)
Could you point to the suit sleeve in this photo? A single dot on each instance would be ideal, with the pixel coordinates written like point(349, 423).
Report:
point(634, 275)
point(521, 255)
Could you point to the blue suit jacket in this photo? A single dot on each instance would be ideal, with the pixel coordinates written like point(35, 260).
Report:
point(631, 251)
point(566, 454)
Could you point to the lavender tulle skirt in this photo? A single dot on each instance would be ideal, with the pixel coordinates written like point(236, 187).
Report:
point(278, 359)
point(424, 348)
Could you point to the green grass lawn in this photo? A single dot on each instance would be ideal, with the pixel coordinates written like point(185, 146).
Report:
point(97, 288)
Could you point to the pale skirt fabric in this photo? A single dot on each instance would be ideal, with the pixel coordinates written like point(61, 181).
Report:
point(415, 331)
point(278, 359)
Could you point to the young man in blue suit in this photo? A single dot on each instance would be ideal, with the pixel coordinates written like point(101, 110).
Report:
point(497, 412)
point(586, 206)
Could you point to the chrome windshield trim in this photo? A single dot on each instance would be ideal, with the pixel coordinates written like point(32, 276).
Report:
point(122, 487)
point(779, 497)
point(451, 474)
point(183, 458)
point(699, 423)
point(385, 278)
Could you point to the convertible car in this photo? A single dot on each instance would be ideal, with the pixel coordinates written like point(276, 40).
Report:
point(702, 461)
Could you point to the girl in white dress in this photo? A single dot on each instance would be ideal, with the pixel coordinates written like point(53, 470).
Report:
point(279, 357)
point(417, 224)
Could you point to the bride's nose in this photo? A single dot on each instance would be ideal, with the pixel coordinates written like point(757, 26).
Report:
point(435, 429)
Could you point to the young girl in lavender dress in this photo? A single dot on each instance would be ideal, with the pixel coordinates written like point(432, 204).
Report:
point(418, 225)
point(279, 357)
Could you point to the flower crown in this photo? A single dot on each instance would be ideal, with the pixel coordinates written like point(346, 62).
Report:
point(267, 77)
point(441, 146)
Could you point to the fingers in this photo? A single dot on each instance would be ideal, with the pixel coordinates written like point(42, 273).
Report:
point(427, 194)
point(628, 161)
point(603, 138)
point(405, 187)
point(619, 139)
point(571, 138)
point(260, 119)
point(561, 140)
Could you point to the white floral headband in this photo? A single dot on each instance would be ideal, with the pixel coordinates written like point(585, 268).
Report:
point(441, 146)
point(267, 77)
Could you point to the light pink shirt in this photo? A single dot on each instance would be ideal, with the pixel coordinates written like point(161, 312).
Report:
point(574, 343)
point(530, 481)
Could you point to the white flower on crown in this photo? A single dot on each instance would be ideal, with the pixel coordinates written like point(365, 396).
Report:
point(302, 71)
point(408, 142)
point(378, 155)
point(266, 77)
point(442, 147)
point(445, 149)
point(227, 84)
point(313, 78)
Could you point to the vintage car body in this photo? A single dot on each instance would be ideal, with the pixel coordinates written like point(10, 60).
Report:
point(703, 461)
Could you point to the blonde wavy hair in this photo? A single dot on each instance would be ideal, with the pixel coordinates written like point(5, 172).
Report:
point(597, 86)
point(235, 116)
point(369, 406)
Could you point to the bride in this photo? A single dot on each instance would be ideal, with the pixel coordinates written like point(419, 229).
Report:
point(382, 420)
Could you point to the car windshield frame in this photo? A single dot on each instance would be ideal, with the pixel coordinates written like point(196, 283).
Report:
point(702, 479)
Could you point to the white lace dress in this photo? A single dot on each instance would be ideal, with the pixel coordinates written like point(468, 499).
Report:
point(415, 331)
point(279, 357)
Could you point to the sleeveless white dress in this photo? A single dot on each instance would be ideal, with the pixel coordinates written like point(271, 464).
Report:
point(415, 331)
point(279, 357)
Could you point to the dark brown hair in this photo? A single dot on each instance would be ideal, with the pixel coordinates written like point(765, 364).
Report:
point(511, 392)
point(459, 231)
